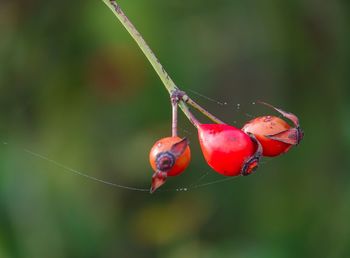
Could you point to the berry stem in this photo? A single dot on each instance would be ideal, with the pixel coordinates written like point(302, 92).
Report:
point(189, 114)
point(204, 111)
point(157, 66)
point(174, 117)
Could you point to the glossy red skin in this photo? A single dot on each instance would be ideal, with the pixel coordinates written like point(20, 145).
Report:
point(165, 144)
point(268, 125)
point(225, 148)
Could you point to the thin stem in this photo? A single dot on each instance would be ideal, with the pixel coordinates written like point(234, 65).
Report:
point(163, 75)
point(204, 111)
point(188, 114)
point(174, 117)
point(167, 81)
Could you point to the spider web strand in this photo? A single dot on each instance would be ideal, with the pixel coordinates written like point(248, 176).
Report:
point(42, 157)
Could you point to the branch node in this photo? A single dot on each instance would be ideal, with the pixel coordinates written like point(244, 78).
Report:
point(177, 95)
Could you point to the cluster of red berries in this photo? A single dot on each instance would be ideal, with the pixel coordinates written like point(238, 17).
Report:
point(228, 150)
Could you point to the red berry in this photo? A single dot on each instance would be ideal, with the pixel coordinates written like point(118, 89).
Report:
point(263, 126)
point(169, 156)
point(227, 149)
point(274, 134)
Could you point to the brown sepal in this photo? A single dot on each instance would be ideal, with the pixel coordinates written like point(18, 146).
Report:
point(291, 136)
point(286, 114)
point(252, 163)
point(178, 148)
point(158, 179)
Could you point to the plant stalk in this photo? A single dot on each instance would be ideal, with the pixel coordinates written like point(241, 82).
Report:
point(163, 75)
point(174, 108)
point(204, 111)
point(167, 81)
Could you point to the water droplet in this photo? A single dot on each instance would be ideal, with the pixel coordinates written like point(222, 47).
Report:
point(185, 189)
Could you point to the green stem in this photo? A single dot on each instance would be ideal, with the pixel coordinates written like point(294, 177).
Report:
point(204, 111)
point(189, 114)
point(167, 81)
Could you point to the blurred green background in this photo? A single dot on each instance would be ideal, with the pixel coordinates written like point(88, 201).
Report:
point(75, 87)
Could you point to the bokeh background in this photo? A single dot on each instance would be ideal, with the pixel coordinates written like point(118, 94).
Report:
point(75, 88)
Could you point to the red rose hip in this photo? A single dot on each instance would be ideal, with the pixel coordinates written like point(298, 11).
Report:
point(264, 126)
point(227, 149)
point(274, 134)
point(169, 156)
